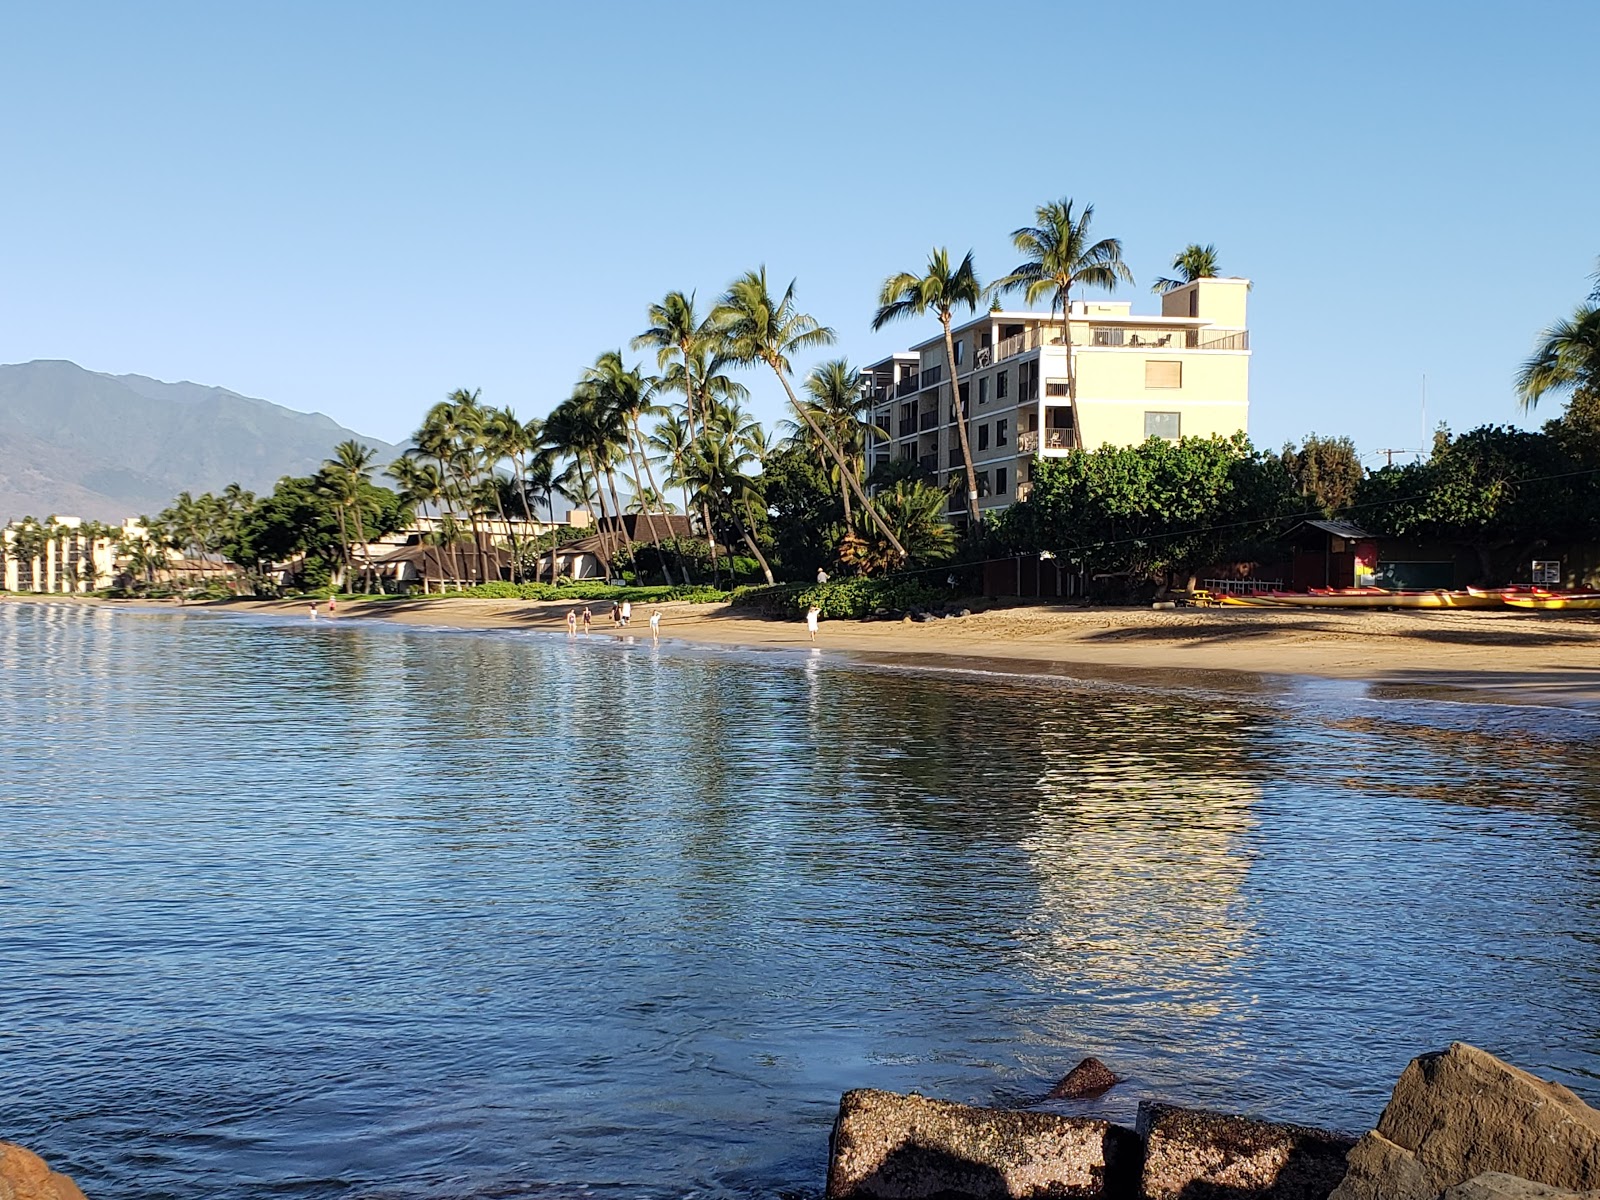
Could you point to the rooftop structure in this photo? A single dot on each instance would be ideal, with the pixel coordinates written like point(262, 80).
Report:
point(1184, 372)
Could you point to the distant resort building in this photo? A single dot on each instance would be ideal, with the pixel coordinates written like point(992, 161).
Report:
point(59, 556)
point(1184, 373)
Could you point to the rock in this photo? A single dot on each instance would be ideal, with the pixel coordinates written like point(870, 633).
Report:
point(1380, 1170)
point(1201, 1155)
point(1494, 1185)
point(894, 1147)
point(965, 612)
point(1089, 1078)
point(24, 1176)
point(1459, 1113)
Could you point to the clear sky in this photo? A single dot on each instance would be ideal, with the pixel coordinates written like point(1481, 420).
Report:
point(355, 208)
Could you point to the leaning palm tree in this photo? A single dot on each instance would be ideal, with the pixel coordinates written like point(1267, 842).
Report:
point(755, 328)
point(938, 291)
point(1059, 257)
point(1192, 262)
point(624, 394)
point(1567, 358)
point(839, 402)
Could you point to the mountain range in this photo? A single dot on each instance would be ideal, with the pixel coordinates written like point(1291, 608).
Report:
point(79, 442)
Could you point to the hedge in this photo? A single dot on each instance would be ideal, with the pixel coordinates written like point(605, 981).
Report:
point(852, 599)
point(588, 589)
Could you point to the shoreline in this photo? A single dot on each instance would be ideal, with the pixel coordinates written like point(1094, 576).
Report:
point(1537, 659)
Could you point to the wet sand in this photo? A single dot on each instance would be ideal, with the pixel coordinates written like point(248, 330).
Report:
point(1525, 657)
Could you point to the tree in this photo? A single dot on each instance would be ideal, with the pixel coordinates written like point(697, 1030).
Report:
point(1567, 358)
point(716, 471)
point(1191, 263)
point(1160, 507)
point(623, 394)
point(301, 517)
point(755, 328)
point(1326, 471)
point(806, 510)
point(838, 401)
point(940, 290)
point(1059, 257)
point(343, 475)
point(916, 510)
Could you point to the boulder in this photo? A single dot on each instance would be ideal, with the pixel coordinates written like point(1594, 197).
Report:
point(1460, 1113)
point(1495, 1185)
point(1088, 1079)
point(887, 1146)
point(1201, 1155)
point(24, 1176)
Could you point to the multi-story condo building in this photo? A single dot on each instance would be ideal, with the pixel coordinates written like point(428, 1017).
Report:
point(66, 554)
point(1183, 373)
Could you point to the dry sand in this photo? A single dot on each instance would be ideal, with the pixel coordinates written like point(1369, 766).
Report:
point(1528, 657)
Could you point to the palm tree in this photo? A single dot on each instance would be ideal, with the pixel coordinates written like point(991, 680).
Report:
point(916, 510)
point(715, 470)
point(575, 429)
point(1192, 262)
point(757, 329)
point(1567, 358)
point(1060, 256)
point(839, 402)
point(624, 394)
point(938, 291)
point(344, 475)
point(421, 484)
point(507, 438)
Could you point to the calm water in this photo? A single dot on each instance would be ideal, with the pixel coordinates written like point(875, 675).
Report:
point(317, 910)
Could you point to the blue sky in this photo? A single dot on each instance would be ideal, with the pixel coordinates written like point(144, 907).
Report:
point(357, 208)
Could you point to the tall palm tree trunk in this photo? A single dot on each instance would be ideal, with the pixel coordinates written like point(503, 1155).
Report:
point(1072, 372)
point(650, 478)
point(733, 511)
point(961, 419)
point(844, 467)
point(607, 543)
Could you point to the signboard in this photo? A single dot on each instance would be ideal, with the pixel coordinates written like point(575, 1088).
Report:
point(1546, 570)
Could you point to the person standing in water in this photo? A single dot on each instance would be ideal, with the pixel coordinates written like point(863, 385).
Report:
point(655, 625)
point(627, 612)
point(333, 605)
point(587, 617)
point(313, 610)
point(813, 615)
point(572, 620)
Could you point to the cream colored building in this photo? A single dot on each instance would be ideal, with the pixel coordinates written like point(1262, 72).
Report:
point(67, 559)
point(1184, 372)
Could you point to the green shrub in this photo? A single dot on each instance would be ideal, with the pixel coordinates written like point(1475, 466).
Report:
point(591, 589)
point(847, 598)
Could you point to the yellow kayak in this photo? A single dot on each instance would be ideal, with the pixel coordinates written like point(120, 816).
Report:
point(1364, 599)
point(1541, 603)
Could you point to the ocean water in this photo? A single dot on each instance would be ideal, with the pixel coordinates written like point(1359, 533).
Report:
point(342, 909)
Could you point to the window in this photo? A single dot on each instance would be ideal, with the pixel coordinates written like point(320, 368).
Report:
point(1162, 425)
point(908, 452)
point(1000, 481)
point(983, 437)
point(1160, 373)
point(1194, 303)
point(960, 350)
point(1001, 385)
point(966, 394)
point(1055, 389)
point(1028, 381)
point(983, 483)
point(983, 390)
point(1000, 429)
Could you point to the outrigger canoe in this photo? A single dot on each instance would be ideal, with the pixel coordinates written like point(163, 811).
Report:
point(1365, 598)
point(1555, 601)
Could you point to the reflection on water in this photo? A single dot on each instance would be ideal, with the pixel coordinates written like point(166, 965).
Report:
point(340, 909)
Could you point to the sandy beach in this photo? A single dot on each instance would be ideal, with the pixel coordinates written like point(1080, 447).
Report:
point(1527, 658)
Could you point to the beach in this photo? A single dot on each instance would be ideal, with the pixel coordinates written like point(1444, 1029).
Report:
point(1504, 656)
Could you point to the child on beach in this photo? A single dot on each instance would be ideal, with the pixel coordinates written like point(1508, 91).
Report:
point(813, 615)
point(333, 605)
point(655, 625)
point(572, 620)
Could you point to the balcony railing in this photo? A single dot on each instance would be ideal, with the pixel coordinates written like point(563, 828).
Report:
point(929, 463)
point(1054, 439)
point(1145, 338)
point(906, 386)
point(928, 420)
point(908, 426)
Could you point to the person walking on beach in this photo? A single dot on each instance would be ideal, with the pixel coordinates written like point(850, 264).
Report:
point(655, 625)
point(627, 612)
point(616, 614)
point(572, 620)
point(587, 617)
point(813, 615)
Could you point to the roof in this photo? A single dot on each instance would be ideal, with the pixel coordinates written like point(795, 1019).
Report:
point(1342, 529)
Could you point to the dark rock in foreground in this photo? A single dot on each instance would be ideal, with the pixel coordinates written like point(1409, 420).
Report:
point(891, 1147)
point(24, 1176)
point(1494, 1185)
point(1199, 1155)
point(1461, 1113)
point(1088, 1079)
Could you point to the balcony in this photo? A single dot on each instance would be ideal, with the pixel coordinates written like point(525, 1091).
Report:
point(927, 421)
point(1127, 337)
point(908, 426)
point(929, 463)
point(1054, 439)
